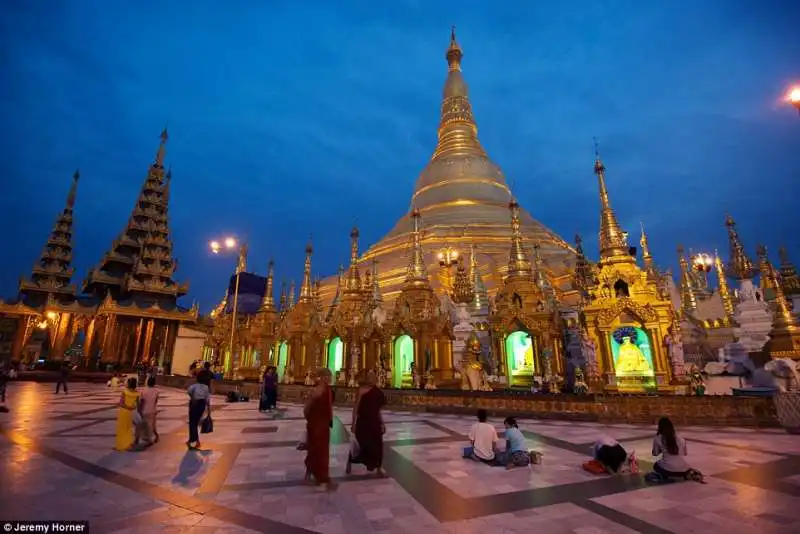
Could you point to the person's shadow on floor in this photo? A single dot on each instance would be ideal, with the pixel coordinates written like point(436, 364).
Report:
point(191, 464)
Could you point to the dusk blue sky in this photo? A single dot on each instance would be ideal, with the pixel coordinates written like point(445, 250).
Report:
point(298, 117)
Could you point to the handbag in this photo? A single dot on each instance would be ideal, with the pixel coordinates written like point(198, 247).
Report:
point(207, 425)
point(355, 448)
point(137, 418)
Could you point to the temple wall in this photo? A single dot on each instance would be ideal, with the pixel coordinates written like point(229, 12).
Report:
point(631, 409)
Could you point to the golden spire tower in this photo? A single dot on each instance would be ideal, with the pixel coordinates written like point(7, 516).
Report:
point(290, 298)
point(790, 283)
point(613, 245)
point(53, 271)
point(647, 258)
point(284, 299)
point(417, 272)
point(688, 298)
point(459, 186)
point(518, 263)
point(739, 265)
point(353, 282)
point(306, 287)
point(724, 290)
point(785, 335)
point(463, 288)
point(478, 287)
point(770, 280)
point(268, 302)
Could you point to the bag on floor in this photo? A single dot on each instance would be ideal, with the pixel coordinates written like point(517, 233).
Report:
point(355, 448)
point(536, 457)
point(207, 425)
point(595, 467)
point(468, 452)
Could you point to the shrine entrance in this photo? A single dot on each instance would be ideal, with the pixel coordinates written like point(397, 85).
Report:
point(335, 355)
point(519, 358)
point(283, 353)
point(403, 358)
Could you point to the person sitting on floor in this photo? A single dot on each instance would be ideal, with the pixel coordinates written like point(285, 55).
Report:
point(516, 453)
point(483, 438)
point(672, 449)
point(610, 454)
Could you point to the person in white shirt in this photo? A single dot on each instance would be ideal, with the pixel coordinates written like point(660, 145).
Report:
point(199, 397)
point(484, 440)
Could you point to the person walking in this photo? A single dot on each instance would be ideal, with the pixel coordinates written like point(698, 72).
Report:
point(128, 406)
point(63, 377)
point(149, 410)
point(199, 405)
point(318, 411)
point(368, 427)
point(269, 393)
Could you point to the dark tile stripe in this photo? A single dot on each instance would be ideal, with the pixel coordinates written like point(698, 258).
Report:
point(154, 491)
point(277, 484)
point(748, 448)
point(620, 518)
point(767, 476)
point(73, 428)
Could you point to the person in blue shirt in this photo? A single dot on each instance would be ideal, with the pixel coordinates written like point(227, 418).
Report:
point(516, 453)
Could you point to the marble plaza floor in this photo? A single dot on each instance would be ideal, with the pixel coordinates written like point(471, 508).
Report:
point(57, 462)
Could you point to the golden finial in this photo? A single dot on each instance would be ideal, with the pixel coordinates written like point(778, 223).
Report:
point(416, 272)
point(353, 282)
point(290, 298)
point(789, 279)
point(739, 265)
point(454, 53)
point(73, 190)
point(724, 290)
point(783, 320)
point(306, 289)
point(647, 258)
point(463, 291)
point(162, 149)
point(518, 263)
point(284, 299)
point(613, 244)
point(769, 276)
point(339, 287)
point(583, 271)
point(268, 302)
point(688, 298)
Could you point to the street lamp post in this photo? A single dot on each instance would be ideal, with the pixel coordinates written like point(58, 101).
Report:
point(228, 244)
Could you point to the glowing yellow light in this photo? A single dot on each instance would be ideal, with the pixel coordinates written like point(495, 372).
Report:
point(214, 246)
point(794, 95)
point(42, 325)
point(230, 242)
point(455, 254)
point(51, 315)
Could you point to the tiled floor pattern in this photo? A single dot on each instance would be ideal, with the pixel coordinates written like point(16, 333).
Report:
point(58, 450)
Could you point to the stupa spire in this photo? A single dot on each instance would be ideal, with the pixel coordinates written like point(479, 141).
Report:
point(162, 149)
point(478, 287)
point(306, 287)
point(583, 271)
point(53, 271)
point(613, 244)
point(789, 279)
point(284, 300)
point(783, 322)
point(339, 287)
point(688, 298)
point(353, 282)
point(376, 296)
point(458, 133)
point(290, 298)
point(739, 265)
point(724, 290)
point(518, 263)
point(416, 272)
point(268, 302)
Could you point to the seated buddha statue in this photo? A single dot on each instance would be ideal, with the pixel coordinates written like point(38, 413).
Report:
point(630, 359)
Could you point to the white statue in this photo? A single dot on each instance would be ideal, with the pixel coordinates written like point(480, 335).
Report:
point(309, 381)
point(288, 375)
point(430, 383)
point(589, 354)
point(379, 315)
point(674, 345)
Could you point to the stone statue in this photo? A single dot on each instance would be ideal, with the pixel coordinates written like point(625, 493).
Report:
point(579, 387)
point(674, 345)
point(697, 383)
point(288, 374)
point(430, 383)
point(309, 381)
point(589, 352)
point(415, 378)
point(485, 385)
point(381, 375)
point(379, 315)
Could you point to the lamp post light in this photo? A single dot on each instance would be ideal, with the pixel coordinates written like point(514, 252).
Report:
point(793, 97)
point(703, 263)
point(226, 245)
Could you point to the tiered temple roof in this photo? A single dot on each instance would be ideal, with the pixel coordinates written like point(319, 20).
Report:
point(52, 273)
point(140, 264)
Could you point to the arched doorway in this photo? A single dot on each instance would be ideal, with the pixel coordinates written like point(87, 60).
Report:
point(519, 354)
point(335, 355)
point(283, 353)
point(403, 357)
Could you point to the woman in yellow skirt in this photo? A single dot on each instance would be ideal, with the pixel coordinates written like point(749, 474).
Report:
point(128, 405)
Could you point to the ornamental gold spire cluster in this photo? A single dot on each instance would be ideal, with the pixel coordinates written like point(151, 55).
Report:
point(770, 280)
point(458, 133)
point(647, 258)
point(290, 297)
point(479, 288)
point(724, 290)
point(463, 288)
point(306, 287)
point(784, 324)
point(353, 282)
point(53, 271)
point(518, 263)
point(268, 302)
point(376, 295)
point(789, 279)
point(739, 265)
point(583, 271)
point(688, 298)
point(416, 272)
point(613, 245)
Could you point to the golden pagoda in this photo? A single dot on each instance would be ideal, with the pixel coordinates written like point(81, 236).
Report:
point(784, 339)
point(462, 197)
point(524, 325)
point(627, 317)
point(790, 282)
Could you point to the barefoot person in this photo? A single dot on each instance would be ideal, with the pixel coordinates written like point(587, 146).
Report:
point(149, 409)
point(318, 412)
point(199, 405)
point(672, 449)
point(128, 404)
point(368, 427)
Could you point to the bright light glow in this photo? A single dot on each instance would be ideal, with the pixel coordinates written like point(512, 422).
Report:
point(703, 262)
point(230, 242)
point(42, 325)
point(454, 254)
point(794, 95)
point(214, 246)
point(51, 315)
point(441, 256)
